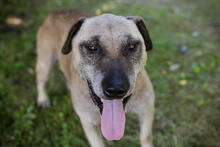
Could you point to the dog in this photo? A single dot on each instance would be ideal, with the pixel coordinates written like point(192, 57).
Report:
point(102, 58)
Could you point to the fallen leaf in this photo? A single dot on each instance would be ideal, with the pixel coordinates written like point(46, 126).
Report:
point(98, 12)
point(182, 82)
point(15, 21)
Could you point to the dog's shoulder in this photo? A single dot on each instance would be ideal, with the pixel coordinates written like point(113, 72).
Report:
point(63, 19)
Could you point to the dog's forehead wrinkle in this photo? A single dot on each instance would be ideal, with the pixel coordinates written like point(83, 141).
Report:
point(110, 29)
point(95, 37)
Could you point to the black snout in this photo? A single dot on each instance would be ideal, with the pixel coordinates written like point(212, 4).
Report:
point(115, 85)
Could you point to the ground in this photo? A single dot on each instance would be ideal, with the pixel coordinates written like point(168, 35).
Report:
point(183, 66)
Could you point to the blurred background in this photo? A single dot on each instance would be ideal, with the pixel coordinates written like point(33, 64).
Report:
point(184, 68)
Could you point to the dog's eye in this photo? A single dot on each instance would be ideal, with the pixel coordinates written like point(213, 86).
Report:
point(91, 48)
point(132, 46)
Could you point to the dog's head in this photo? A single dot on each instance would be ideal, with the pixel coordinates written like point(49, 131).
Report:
point(109, 51)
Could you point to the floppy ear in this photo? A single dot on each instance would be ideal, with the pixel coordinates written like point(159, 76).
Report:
point(143, 30)
point(67, 47)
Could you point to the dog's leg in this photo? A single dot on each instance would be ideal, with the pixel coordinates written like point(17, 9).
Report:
point(43, 67)
point(92, 134)
point(45, 60)
point(146, 120)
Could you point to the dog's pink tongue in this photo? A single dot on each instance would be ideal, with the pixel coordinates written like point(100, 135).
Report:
point(113, 119)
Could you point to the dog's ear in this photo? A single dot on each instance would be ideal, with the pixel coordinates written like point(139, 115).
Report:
point(67, 47)
point(143, 30)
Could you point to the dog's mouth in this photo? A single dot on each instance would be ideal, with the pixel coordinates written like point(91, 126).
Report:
point(97, 101)
point(112, 115)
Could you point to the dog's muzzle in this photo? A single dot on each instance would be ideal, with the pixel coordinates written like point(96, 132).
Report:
point(97, 101)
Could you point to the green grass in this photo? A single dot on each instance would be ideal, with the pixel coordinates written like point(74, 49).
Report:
point(186, 83)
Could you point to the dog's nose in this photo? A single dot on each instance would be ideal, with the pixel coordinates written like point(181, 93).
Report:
point(115, 86)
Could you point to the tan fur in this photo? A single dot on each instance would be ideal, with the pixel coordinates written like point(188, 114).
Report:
point(50, 39)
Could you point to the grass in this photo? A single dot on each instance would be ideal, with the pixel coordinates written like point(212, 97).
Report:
point(183, 66)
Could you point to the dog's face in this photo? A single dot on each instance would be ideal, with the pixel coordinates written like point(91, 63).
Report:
point(109, 51)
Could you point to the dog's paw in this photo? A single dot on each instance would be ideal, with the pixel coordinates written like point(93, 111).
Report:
point(44, 104)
